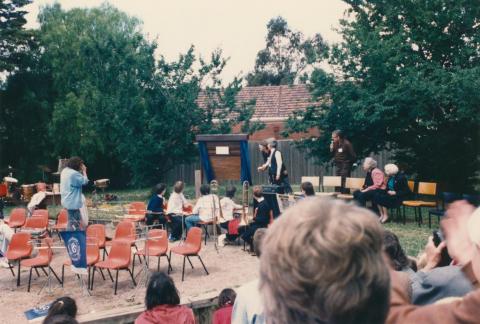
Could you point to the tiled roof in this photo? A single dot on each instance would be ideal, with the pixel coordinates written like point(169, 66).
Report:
point(272, 101)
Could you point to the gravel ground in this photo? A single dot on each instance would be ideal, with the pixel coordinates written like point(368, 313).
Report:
point(230, 267)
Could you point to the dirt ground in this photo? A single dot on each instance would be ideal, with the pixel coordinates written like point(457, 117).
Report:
point(230, 267)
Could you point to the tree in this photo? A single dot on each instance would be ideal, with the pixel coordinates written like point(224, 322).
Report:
point(15, 41)
point(287, 55)
point(408, 82)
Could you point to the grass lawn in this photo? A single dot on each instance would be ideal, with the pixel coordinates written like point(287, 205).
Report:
point(412, 237)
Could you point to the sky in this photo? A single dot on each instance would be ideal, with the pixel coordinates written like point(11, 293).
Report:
point(237, 27)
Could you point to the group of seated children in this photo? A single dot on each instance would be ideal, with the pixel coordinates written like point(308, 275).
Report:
point(207, 206)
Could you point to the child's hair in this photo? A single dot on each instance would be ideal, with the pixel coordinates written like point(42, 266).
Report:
point(230, 192)
point(62, 306)
point(226, 297)
point(178, 187)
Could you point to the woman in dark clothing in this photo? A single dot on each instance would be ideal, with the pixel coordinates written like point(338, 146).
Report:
point(397, 190)
point(155, 206)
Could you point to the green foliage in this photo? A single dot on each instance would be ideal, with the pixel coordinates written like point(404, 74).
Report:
point(287, 55)
point(409, 79)
point(15, 41)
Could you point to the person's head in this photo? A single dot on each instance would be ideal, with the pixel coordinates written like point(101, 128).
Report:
point(272, 145)
point(391, 169)
point(322, 263)
point(227, 297)
point(337, 135)
point(75, 163)
point(161, 291)
point(62, 306)
point(160, 189)
point(394, 251)
point(178, 187)
point(263, 146)
point(369, 164)
point(205, 189)
point(257, 192)
point(257, 241)
point(60, 319)
point(307, 188)
point(230, 192)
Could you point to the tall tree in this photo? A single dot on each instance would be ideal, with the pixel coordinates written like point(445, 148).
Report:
point(15, 40)
point(409, 78)
point(286, 56)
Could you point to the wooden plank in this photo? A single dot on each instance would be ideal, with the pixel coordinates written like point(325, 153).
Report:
point(226, 167)
point(221, 137)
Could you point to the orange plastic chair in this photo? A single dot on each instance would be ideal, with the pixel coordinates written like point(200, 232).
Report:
point(38, 220)
point(118, 259)
point(137, 208)
point(42, 261)
point(17, 219)
point(97, 231)
point(3, 190)
point(20, 247)
point(93, 257)
point(125, 231)
point(156, 246)
point(62, 221)
point(188, 209)
point(425, 189)
point(191, 247)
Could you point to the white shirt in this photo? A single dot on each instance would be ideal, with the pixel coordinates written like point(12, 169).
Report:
point(204, 207)
point(248, 307)
point(278, 156)
point(176, 203)
point(228, 205)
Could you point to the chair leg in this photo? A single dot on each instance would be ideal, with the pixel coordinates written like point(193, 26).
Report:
point(45, 272)
point(131, 275)
point(116, 282)
point(63, 273)
point(38, 275)
point(93, 276)
point(158, 264)
point(18, 274)
point(202, 264)
point(110, 274)
point(183, 268)
point(169, 266)
point(55, 274)
point(133, 265)
point(29, 279)
point(420, 220)
point(190, 262)
point(101, 272)
point(11, 268)
point(429, 220)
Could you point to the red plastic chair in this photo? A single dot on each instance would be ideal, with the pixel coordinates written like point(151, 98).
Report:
point(157, 245)
point(118, 259)
point(97, 231)
point(38, 220)
point(42, 261)
point(17, 219)
point(137, 208)
point(3, 190)
point(93, 257)
point(20, 247)
point(125, 231)
point(62, 221)
point(191, 247)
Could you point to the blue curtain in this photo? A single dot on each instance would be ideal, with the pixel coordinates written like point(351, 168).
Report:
point(207, 167)
point(245, 174)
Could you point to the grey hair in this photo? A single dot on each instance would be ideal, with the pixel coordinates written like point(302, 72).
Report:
point(370, 162)
point(391, 169)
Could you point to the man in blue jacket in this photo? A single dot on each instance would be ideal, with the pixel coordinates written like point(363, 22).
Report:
point(72, 179)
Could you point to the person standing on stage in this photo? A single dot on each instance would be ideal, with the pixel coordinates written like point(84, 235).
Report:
point(277, 169)
point(263, 147)
point(72, 179)
point(343, 156)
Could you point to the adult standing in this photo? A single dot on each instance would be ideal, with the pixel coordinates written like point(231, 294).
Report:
point(72, 179)
point(265, 151)
point(277, 169)
point(343, 156)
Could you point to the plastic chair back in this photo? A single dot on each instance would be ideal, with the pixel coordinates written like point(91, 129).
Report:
point(20, 245)
point(97, 232)
point(39, 219)
point(315, 181)
point(194, 239)
point(46, 249)
point(354, 183)
point(157, 240)
point(18, 216)
point(125, 230)
point(120, 254)
point(137, 208)
point(329, 181)
point(411, 185)
point(427, 188)
point(3, 190)
point(62, 219)
point(93, 252)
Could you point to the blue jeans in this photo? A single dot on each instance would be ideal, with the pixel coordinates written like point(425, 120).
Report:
point(74, 220)
point(191, 221)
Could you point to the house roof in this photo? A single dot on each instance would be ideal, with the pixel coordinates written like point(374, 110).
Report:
point(271, 101)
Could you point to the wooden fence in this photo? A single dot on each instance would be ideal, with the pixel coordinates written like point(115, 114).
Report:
point(296, 160)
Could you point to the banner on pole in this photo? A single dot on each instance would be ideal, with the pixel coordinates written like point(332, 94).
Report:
point(76, 243)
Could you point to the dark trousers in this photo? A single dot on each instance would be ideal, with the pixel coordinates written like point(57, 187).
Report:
point(151, 218)
point(283, 183)
point(343, 170)
point(176, 226)
point(362, 197)
point(250, 230)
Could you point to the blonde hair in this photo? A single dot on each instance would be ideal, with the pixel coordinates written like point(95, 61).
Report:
point(322, 263)
point(391, 169)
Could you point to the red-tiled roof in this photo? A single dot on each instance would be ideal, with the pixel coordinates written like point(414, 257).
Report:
point(272, 101)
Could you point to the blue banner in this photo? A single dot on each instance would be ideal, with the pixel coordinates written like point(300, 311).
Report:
point(245, 174)
point(207, 167)
point(76, 243)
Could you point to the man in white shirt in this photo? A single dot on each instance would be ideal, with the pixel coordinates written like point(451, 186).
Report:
point(175, 210)
point(276, 168)
point(204, 209)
